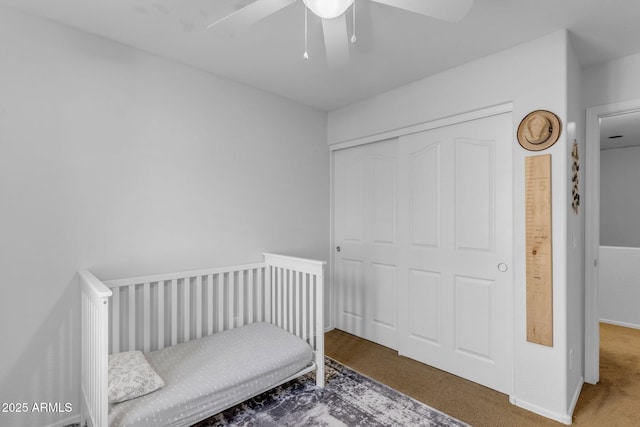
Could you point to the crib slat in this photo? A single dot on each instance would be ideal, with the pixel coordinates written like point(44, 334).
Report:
point(312, 305)
point(220, 301)
point(292, 302)
point(231, 300)
point(298, 302)
point(265, 297)
point(250, 305)
point(146, 317)
point(132, 317)
point(290, 286)
point(115, 317)
point(274, 296)
point(260, 294)
point(174, 312)
point(281, 296)
point(240, 315)
point(186, 313)
point(284, 298)
point(198, 306)
point(305, 284)
point(268, 294)
point(210, 303)
point(161, 310)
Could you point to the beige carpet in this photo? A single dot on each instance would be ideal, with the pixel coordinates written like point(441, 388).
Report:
point(615, 401)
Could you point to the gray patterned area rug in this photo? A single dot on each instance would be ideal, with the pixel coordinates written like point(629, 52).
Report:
point(348, 399)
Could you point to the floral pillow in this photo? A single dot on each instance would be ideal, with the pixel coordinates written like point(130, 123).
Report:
point(130, 376)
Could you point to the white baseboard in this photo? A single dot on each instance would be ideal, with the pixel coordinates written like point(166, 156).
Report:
point(617, 323)
point(563, 418)
point(576, 395)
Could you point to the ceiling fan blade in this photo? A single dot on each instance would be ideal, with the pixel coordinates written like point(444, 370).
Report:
point(446, 10)
point(248, 15)
point(336, 41)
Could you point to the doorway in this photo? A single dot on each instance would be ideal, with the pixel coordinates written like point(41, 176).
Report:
point(592, 232)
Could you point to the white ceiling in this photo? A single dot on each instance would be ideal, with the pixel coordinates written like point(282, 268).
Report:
point(624, 128)
point(394, 47)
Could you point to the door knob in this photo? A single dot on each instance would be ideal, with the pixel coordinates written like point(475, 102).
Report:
point(502, 267)
point(338, 249)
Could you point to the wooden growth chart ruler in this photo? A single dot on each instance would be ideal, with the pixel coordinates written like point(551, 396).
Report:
point(539, 246)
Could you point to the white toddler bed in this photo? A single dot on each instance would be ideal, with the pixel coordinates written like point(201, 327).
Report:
point(216, 337)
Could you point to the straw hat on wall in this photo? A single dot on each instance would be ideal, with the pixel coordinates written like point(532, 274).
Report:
point(539, 130)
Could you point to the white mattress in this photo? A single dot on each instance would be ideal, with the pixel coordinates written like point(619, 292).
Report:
point(208, 375)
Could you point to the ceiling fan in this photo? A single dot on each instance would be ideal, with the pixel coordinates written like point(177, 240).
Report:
point(334, 21)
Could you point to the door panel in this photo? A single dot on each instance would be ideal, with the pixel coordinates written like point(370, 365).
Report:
point(424, 307)
point(474, 198)
point(384, 285)
point(383, 209)
point(365, 205)
point(353, 281)
point(470, 332)
point(424, 204)
point(351, 198)
point(473, 316)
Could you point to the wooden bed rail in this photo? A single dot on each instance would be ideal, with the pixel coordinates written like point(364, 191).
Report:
point(293, 309)
point(94, 357)
point(152, 312)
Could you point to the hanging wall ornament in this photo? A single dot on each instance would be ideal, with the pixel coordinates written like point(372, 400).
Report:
point(575, 178)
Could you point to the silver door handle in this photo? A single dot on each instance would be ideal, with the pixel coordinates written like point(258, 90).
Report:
point(502, 267)
point(338, 249)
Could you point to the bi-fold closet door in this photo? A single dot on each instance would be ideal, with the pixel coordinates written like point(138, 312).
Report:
point(423, 236)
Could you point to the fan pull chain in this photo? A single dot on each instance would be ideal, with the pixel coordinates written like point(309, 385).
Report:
point(354, 39)
point(306, 19)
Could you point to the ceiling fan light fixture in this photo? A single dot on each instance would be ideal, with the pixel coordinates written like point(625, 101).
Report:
point(328, 9)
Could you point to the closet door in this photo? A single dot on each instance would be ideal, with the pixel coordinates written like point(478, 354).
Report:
point(365, 236)
point(455, 240)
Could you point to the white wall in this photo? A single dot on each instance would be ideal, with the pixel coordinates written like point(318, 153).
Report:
point(620, 286)
point(612, 82)
point(620, 197)
point(575, 234)
point(532, 76)
point(119, 161)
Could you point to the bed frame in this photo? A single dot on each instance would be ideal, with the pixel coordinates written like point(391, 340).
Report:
point(153, 312)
